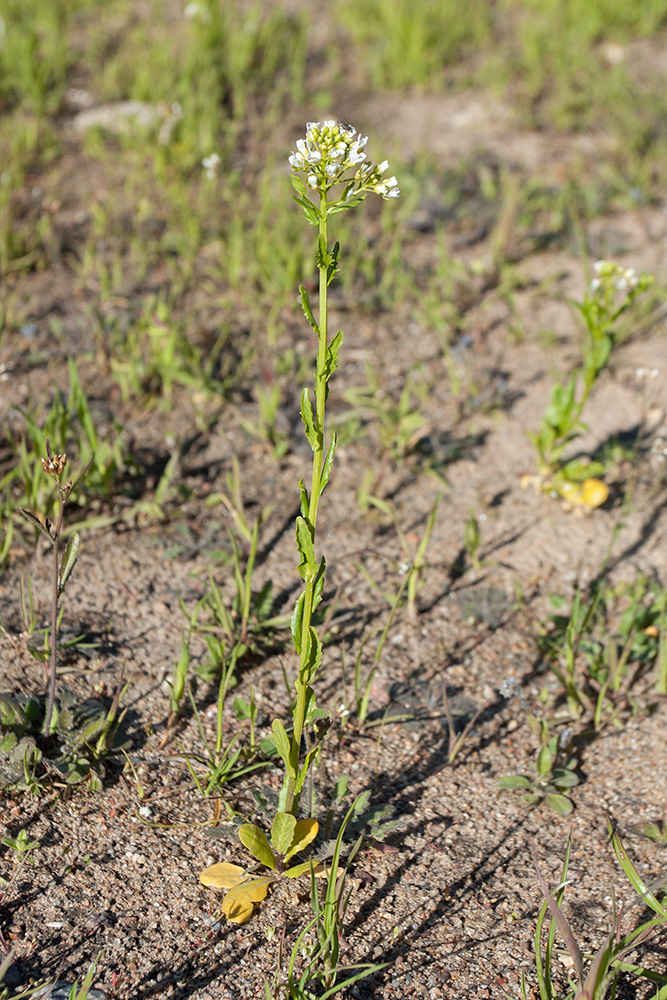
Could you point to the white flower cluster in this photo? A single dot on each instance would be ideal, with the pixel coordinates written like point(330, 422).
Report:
point(330, 150)
point(210, 165)
point(197, 11)
point(626, 278)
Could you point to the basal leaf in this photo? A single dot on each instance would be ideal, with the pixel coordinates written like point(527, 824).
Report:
point(223, 875)
point(594, 492)
point(237, 905)
point(560, 804)
point(282, 831)
point(512, 781)
point(304, 833)
point(545, 760)
point(255, 840)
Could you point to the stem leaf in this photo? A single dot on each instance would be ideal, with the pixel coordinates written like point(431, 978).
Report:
point(34, 520)
point(308, 421)
point(307, 311)
point(281, 740)
point(309, 210)
point(318, 585)
point(309, 760)
point(331, 361)
point(312, 660)
point(296, 621)
point(304, 542)
point(68, 561)
point(305, 502)
point(328, 462)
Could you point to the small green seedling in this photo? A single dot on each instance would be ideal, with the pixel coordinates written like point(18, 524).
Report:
point(20, 843)
point(555, 774)
point(657, 832)
point(220, 763)
point(472, 539)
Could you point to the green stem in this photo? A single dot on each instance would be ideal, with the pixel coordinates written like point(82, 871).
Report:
point(54, 614)
point(303, 681)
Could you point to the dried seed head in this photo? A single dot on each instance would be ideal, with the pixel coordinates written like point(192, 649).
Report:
point(54, 464)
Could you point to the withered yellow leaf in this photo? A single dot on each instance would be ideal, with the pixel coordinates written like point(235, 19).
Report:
point(237, 912)
point(238, 903)
point(223, 875)
point(591, 493)
point(305, 831)
point(594, 492)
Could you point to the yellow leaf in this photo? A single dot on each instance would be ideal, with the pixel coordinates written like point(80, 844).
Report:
point(305, 831)
point(223, 875)
point(591, 493)
point(237, 912)
point(594, 492)
point(238, 903)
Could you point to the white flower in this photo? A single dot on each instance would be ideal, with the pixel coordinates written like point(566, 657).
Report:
point(330, 124)
point(599, 266)
point(355, 155)
point(194, 10)
point(630, 276)
point(388, 188)
point(332, 169)
point(311, 181)
point(297, 161)
point(383, 166)
point(595, 284)
point(307, 150)
point(210, 165)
